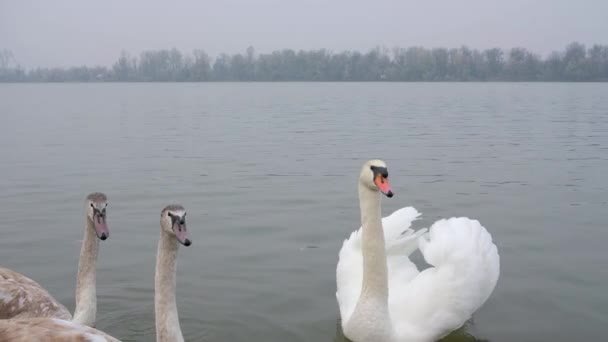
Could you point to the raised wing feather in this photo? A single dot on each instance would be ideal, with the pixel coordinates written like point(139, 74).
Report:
point(441, 298)
point(50, 330)
point(21, 297)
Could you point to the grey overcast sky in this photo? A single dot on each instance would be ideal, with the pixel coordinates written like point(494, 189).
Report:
point(80, 32)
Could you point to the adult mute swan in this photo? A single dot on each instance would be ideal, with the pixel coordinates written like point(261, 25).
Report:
point(173, 231)
point(21, 297)
point(381, 294)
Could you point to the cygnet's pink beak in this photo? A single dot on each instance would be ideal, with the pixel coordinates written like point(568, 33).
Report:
point(181, 233)
point(101, 227)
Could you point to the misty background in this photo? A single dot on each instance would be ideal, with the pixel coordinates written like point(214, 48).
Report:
point(66, 33)
point(137, 41)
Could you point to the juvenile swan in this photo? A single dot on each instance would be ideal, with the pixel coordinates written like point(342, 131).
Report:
point(21, 297)
point(173, 230)
point(381, 294)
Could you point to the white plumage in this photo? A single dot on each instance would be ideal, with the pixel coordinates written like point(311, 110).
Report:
point(400, 243)
point(422, 306)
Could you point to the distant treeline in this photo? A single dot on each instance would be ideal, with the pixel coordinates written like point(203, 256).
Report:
point(574, 63)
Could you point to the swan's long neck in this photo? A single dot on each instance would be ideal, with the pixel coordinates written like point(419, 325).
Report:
point(86, 291)
point(375, 272)
point(167, 320)
point(370, 320)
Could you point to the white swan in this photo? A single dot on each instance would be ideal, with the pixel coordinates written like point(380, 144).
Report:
point(173, 230)
point(381, 294)
point(21, 297)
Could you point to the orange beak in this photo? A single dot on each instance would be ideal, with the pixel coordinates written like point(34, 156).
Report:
point(383, 185)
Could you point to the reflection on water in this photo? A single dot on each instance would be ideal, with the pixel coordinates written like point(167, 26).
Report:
point(460, 335)
point(463, 335)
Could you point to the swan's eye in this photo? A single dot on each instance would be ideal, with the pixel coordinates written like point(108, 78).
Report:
point(92, 206)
